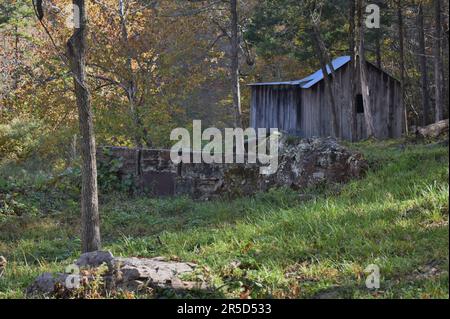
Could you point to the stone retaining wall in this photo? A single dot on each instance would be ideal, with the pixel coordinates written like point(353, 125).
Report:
point(302, 163)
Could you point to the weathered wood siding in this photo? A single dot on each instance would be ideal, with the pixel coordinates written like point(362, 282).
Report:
point(317, 120)
point(275, 107)
point(308, 111)
point(386, 100)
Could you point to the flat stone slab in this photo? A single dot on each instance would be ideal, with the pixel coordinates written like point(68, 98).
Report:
point(128, 274)
point(157, 269)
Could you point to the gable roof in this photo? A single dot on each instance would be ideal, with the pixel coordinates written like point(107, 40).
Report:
point(312, 79)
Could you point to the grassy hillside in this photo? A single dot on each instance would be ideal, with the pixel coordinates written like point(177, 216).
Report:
point(278, 244)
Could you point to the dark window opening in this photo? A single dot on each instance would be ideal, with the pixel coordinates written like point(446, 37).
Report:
point(180, 169)
point(359, 104)
point(299, 112)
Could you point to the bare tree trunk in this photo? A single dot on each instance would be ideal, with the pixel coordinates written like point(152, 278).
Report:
point(402, 57)
point(139, 131)
point(423, 67)
point(235, 64)
point(438, 64)
point(445, 57)
point(352, 27)
point(76, 49)
point(324, 62)
point(16, 57)
point(378, 49)
point(361, 57)
point(354, 71)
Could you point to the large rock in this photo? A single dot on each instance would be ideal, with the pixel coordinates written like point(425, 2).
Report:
point(307, 162)
point(302, 163)
point(46, 284)
point(127, 274)
point(94, 259)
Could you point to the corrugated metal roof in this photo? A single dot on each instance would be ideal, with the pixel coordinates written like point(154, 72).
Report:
point(312, 79)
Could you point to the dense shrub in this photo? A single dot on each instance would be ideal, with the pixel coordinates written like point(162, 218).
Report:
point(109, 177)
point(18, 139)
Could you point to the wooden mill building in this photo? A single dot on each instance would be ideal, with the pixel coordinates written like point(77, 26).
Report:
point(302, 107)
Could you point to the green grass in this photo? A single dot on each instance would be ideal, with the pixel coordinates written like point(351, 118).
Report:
point(396, 217)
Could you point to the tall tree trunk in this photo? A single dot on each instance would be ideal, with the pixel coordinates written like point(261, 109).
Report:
point(378, 49)
point(445, 57)
point(139, 131)
point(402, 58)
point(76, 49)
point(352, 27)
point(423, 67)
point(438, 63)
point(324, 62)
point(361, 58)
point(353, 70)
point(378, 39)
point(16, 57)
point(235, 64)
